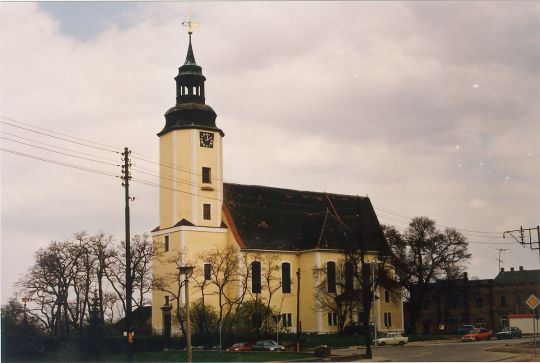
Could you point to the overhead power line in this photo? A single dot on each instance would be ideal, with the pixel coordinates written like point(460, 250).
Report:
point(59, 163)
point(58, 152)
point(394, 217)
point(57, 147)
point(114, 149)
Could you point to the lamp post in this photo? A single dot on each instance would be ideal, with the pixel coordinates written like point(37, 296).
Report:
point(374, 300)
point(187, 270)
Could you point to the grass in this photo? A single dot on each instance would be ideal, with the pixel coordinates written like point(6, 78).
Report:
point(181, 356)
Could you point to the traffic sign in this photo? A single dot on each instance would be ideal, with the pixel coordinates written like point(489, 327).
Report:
point(532, 301)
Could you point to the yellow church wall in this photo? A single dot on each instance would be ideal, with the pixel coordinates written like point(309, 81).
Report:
point(194, 241)
point(183, 193)
point(175, 200)
point(186, 244)
point(210, 193)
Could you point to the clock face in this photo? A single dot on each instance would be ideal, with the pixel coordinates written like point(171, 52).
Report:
point(207, 139)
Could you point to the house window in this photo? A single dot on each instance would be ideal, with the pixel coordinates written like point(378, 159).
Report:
point(207, 271)
point(256, 277)
point(166, 243)
point(285, 277)
point(286, 319)
point(332, 319)
point(386, 296)
point(166, 303)
point(349, 271)
point(387, 320)
point(331, 276)
point(206, 211)
point(503, 301)
point(206, 175)
point(479, 301)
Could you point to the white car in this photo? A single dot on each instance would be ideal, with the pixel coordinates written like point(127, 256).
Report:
point(392, 338)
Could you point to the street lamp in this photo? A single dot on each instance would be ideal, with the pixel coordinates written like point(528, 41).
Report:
point(374, 299)
point(187, 270)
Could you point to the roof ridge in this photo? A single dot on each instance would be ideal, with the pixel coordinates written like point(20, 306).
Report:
point(296, 190)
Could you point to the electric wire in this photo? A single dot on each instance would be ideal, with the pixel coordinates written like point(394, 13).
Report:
point(171, 166)
point(59, 133)
point(87, 143)
point(58, 152)
point(59, 163)
point(57, 147)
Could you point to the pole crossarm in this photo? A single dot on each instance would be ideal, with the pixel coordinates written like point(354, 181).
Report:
point(526, 236)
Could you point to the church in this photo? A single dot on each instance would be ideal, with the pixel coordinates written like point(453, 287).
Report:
point(247, 242)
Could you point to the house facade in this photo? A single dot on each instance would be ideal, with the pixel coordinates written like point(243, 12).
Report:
point(279, 246)
point(487, 302)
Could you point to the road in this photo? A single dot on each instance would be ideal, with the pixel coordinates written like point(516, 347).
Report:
point(444, 351)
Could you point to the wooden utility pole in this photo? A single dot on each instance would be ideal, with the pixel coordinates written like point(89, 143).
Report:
point(129, 283)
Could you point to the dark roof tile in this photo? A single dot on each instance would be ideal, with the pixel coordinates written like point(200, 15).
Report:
point(512, 277)
point(285, 219)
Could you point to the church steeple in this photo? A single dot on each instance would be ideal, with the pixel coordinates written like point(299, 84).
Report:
point(191, 110)
point(190, 58)
point(190, 80)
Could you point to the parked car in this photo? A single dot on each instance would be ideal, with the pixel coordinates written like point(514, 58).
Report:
point(509, 332)
point(392, 338)
point(239, 347)
point(464, 329)
point(477, 334)
point(270, 345)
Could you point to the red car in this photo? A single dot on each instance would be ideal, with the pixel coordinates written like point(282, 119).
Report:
point(240, 347)
point(477, 334)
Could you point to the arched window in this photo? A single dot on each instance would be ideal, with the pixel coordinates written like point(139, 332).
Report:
point(331, 276)
point(286, 277)
point(256, 277)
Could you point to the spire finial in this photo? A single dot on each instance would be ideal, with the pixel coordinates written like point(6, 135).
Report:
point(190, 24)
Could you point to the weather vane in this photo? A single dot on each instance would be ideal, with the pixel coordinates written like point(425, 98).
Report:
point(190, 24)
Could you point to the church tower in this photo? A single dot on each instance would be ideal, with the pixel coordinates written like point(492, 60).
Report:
point(191, 171)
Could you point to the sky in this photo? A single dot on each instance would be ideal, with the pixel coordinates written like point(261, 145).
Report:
point(429, 108)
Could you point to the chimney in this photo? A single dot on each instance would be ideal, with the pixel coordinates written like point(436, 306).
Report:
point(511, 269)
point(465, 276)
point(502, 269)
point(520, 268)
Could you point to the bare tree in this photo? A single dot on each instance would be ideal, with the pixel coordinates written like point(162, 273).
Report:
point(344, 300)
point(48, 283)
point(171, 282)
point(103, 252)
point(225, 274)
point(423, 254)
point(141, 259)
point(271, 283)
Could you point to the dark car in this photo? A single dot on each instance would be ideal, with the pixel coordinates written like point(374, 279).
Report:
point(269, 345)
point(464, 329)
point(240, 347)
point(509, 332)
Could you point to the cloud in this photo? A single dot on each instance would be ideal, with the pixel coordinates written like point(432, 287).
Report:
point(359, 98)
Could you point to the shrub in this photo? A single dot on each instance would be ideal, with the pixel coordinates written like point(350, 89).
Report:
point(155, 343)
